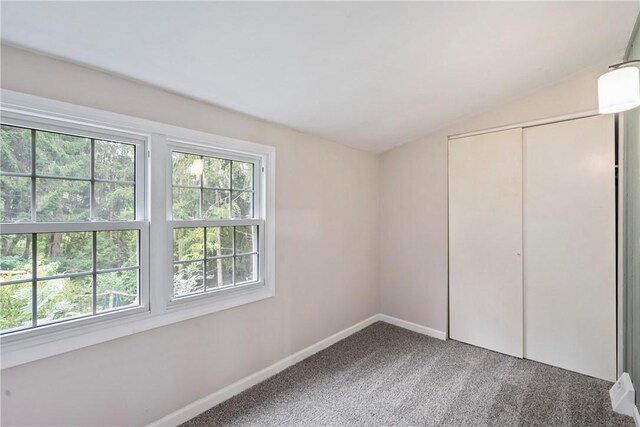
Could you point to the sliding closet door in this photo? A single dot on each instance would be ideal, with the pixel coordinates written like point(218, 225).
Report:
point(569, 245)
point(485, 241)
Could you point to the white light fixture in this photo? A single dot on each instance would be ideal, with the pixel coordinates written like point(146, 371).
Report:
point(197, 167)
point(619, 89)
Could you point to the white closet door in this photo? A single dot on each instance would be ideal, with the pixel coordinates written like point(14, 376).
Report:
point(485, 241)
point(569, 246)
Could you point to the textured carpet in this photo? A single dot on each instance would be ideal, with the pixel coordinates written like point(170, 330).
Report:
point(388, 376)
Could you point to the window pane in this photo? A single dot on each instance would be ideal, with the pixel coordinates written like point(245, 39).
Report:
point(215, 204)
point(114, 201)
point(62, 200)
point(16, 259)
point(65, 191)
point(187, 278)
point(219, 241)
point(242, 204)
point(186, 203)
point(63, 155)
point(217, 173)
point(16, 198)
point(242, 176)
point(15, 306)
point(114, 161)
point(116, 290)
point(188, 244)
point(15, 149)
point(246, 239)
point(246, 268)
point(60, 299)
point(187, 169)
point(219, 272)
point(116, 249)
point(64, 253)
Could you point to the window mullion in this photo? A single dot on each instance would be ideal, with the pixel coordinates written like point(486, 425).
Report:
point(231, 192)
point(191, 223)
point(34, 276)
point(92, 191)
point(204, 260)
point(61, 227)
point(202, 189)
point(33, 175)
point(94, 288)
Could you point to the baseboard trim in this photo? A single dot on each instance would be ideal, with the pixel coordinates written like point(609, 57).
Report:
point(414, 327)
point(199, 406)
point(636, 416)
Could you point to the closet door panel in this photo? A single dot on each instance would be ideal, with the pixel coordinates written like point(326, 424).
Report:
point(569, 246)
point(485, 241)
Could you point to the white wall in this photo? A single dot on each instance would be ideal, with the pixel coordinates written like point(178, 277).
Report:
point(327, 276)
point(413, 201)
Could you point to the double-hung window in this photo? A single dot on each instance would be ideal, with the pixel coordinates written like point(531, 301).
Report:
point(217, 227)
point(112, 225)
point(72, 224)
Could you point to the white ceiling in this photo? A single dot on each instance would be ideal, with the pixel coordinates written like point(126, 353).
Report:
point(367, 74)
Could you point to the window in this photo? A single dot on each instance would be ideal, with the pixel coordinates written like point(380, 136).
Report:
point(69, 244)
point(111, 225)
point(216, 232)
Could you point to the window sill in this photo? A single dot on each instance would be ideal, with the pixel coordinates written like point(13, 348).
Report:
point(28, 346)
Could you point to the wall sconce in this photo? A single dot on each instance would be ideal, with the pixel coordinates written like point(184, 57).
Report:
point(619, 89)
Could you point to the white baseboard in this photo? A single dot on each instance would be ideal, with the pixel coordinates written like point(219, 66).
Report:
point(413, 327)
point(199, 406)
point(636, 416)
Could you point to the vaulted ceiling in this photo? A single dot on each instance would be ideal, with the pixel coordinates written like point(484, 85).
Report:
point(371, 75)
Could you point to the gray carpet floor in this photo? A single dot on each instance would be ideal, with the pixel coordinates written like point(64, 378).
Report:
point(388, 376)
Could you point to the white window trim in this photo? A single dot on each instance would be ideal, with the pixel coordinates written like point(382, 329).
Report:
point(259, 218)
point(34, 344)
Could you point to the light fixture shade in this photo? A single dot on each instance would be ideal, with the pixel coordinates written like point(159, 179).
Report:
point(619, 90)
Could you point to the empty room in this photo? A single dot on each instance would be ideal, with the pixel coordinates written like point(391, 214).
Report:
point(323, 213)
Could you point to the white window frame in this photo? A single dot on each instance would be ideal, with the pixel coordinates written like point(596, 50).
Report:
point(189, 147)
point(153, 216)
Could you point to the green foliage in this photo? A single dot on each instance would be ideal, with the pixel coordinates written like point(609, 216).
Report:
point(113, 161)
point(223, 266)
point(63, 298)
point(188, 278)
point(204, 188)
point(63, 156)
point(15, 149)
point(11, 263)
point(212, 188)
point(116, 289)
point(16, 198)
point(220, 189)
point(63, 199)
point(15, 306)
